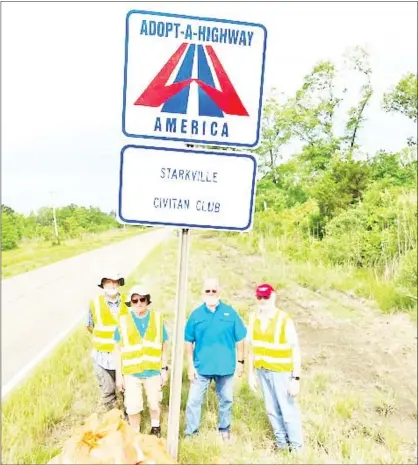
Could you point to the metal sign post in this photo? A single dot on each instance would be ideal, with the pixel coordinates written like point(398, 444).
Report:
point(190, 189)
point(178, 348)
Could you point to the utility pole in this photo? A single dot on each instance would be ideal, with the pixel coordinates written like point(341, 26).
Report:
point(55, 217)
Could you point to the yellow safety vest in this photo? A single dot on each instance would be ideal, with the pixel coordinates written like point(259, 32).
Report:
point(140, 353)
point(271, 349)
point(105, 323)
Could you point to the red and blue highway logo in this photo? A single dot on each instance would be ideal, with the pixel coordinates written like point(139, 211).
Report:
point(175, 97)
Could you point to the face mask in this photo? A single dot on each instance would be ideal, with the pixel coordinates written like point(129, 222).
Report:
point(111, 292)
point(211, 300)
point(266, 306)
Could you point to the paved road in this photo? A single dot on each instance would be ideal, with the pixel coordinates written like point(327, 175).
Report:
point(40, 306)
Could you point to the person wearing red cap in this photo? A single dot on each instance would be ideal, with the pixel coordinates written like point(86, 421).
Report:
point(274, 359)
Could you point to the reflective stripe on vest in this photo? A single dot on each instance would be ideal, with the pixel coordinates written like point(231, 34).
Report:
point(105, 324)
point(140, 353)
point(271, 350)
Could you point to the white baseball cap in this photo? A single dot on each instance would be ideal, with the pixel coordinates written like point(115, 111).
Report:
point(139, 290)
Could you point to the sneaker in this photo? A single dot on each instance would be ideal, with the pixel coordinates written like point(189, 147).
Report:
point(156, 431)
point(225, 435)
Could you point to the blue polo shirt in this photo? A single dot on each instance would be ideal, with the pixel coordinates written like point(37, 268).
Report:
point(141, 322)
point(215, 335)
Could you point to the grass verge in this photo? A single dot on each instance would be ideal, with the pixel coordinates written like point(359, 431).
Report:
point(34, 254)
point(353, 410)
point(365, 283)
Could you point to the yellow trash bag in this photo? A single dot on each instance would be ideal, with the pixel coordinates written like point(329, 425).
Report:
point(154, 450)
point(107, 441)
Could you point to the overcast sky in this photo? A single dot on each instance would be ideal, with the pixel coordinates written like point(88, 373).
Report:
point(62, 78)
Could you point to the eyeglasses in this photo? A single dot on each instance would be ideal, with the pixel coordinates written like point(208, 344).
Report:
point(211, 291)
point(259, 297)
point(141, 299)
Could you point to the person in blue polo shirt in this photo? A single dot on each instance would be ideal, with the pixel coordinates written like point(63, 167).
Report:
point(214, 339)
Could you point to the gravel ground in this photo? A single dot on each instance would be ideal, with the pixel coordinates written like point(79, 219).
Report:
point(39, 306)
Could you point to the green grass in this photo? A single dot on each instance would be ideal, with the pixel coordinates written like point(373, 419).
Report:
point(316, 275)
point(34, 254)
point(348, 416)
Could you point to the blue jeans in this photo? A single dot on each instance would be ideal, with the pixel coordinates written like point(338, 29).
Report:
point(198, 388)
point(281, 409)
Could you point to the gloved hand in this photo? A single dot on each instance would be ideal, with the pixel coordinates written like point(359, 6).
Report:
point(252, 382)
point(293, 387)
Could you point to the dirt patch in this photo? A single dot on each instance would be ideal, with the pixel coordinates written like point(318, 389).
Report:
point(372, 353)
point(347, 337)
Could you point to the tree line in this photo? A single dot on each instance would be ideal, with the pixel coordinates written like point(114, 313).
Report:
point(73, 221)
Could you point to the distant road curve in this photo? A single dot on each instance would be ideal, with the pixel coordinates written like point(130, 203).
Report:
point(41, 307)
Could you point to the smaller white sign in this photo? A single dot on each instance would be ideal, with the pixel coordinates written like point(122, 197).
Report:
point(191, 189)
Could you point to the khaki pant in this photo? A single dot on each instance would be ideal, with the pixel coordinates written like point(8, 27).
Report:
point(133, 393)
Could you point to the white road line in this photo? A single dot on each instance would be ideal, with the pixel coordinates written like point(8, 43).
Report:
point(21, 375)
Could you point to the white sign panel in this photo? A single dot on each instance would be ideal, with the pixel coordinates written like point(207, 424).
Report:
point(192, 79)
point(186, 188)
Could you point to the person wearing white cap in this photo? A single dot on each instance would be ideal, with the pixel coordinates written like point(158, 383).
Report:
point(101, 322)
point(141, 357)
point(274, 355)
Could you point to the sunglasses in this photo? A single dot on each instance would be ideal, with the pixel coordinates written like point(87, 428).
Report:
point(141, 299)
point(259, 297)
point(210, 291)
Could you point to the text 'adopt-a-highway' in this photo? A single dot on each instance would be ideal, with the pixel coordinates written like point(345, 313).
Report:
point(217, 35)
point(197, 81)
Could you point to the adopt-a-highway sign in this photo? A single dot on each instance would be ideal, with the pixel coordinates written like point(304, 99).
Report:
point(191, 189)
point(193, 79)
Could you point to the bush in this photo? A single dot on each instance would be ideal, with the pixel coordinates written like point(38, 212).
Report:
point(9, 232)
point(406, 277)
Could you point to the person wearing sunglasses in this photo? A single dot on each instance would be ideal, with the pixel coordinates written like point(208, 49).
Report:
point(141, 358)
point(274, 358)
point(101, 322)
point(214, 340)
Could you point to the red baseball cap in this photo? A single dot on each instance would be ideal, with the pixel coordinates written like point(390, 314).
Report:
point(264, 290)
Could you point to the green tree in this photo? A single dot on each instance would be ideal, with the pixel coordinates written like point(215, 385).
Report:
point(7, 210)
point(312, 110)
point(391, 169)
point(275, 135)
point(9, 231)
point(359, 61)
point(403, 98)
point(341, 186)
point(311, 116)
